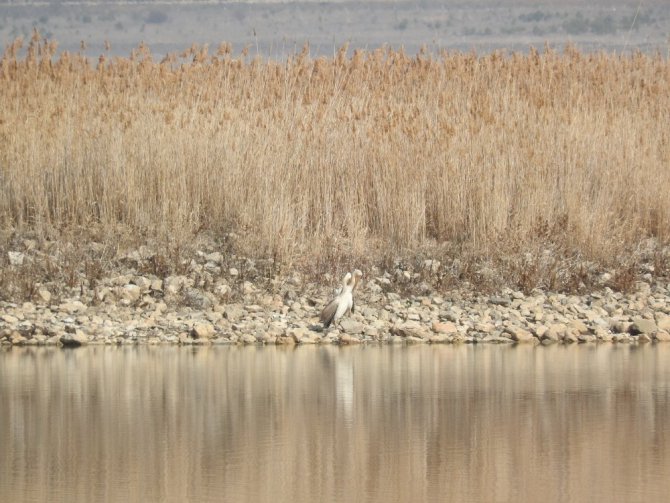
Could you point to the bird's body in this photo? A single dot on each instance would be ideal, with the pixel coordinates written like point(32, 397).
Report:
point(343, 303)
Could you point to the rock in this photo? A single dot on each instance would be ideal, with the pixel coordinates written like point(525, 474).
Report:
point(129, 294)
point(519, 334)
point(197, 299)
point(43, 295)
point(440, 338)
point(555, 332)
point(585, 338)
point(440, 327)
point(642, 326)
point(234, 312)
point(248, 288)
point(215, 257)
point(346, 338)
point(352, 327)
point(285, 340)
point(233, 272)
point(410, 329)
point(16, 258)
point(297, 333)
point(484, 328)
point(16, 338)
point(603, 335)
point(620, 338)
point(248, 339)
point(78, 338)
point(500, 301)
point(184, 338)
point(72, 307)
point(310, 337)
point(173, 284)
point(222, 290)
point(26, 328)
point(662, 336)
point(539, 330)
point(202, 331)
point(570, 336)
point(579, 327)
point(8, 318)
point(143, 283)
point(620, 326)
point(643, 338)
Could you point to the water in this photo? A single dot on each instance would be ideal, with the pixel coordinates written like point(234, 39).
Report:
point(310, 424)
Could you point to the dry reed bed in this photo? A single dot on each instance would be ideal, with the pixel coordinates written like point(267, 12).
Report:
point(370, 155)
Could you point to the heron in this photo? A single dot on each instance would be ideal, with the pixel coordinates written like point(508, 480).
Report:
point(343, 303)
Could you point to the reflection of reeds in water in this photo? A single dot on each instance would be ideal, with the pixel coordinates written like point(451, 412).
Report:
point(373, 150)
point(393, 424)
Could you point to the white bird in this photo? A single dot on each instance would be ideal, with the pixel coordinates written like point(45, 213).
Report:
point(343, 303)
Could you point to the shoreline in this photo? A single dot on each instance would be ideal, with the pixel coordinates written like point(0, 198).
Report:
point(135, 309)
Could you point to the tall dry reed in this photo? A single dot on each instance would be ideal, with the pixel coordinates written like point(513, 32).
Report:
point(368, 153)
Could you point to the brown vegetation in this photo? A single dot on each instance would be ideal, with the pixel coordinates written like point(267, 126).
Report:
point(527, 162)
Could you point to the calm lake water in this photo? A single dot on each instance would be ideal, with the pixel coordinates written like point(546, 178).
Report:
point(312, 424)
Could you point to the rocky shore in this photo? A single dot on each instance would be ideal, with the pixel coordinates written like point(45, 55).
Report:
point(182, 309)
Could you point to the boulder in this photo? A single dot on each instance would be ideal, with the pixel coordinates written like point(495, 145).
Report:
point(78, 338)
point(410, 329)
point(663, 323)
point(642, 326)
point(352, 327)
point(202, 330)
point(519, 334)
point(440, 327)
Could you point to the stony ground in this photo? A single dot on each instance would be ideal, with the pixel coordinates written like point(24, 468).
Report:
point(137, 308)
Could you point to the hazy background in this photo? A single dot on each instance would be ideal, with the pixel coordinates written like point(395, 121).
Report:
point(276, 28)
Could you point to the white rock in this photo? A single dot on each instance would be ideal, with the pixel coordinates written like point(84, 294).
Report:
point(15, 258)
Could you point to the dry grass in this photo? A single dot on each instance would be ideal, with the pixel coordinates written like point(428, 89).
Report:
point(371, 156)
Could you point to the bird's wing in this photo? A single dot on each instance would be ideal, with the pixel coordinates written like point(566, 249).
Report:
point(343, 305)
point(328, 312)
